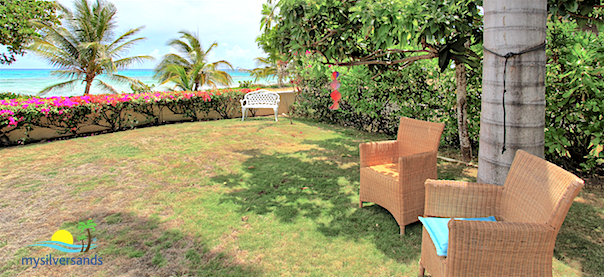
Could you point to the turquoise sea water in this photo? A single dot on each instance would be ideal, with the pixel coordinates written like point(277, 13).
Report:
point(32, 81)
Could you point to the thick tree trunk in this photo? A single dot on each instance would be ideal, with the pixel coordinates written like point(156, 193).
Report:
point(462, 112)
point(512, 26)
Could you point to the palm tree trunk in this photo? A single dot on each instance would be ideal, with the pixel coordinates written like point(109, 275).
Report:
point(89, 240)
point(512, 26)
point(82, 246)
point(88, 84)
point(462, 112)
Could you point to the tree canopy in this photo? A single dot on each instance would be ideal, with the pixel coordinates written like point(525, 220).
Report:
point(190, 69)
point(17, 29)
point(384, 34)
point(84, 46)
point(585, 12)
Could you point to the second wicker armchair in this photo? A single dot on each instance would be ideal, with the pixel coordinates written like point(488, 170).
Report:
point(393, 172)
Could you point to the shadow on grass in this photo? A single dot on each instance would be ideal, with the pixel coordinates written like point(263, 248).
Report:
point(320, 184)
point(581, 239)
point(131, 245)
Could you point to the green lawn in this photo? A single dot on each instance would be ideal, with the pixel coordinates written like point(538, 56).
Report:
point(229, 198)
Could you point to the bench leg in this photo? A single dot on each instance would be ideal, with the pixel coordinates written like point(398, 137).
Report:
point(276, 115)
point(243, 110)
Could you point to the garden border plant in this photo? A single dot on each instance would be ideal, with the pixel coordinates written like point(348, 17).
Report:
point(67, 115)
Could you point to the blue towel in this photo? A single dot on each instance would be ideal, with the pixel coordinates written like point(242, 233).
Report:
point(439, 230)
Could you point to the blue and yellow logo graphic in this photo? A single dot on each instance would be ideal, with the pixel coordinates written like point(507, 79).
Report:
point(62, 240)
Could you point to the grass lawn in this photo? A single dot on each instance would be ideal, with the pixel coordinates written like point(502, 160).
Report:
point(228, 198)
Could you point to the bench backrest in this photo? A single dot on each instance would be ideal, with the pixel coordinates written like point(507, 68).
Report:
point(261, 97)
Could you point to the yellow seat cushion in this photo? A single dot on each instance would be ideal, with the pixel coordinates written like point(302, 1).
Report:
point(390, 170)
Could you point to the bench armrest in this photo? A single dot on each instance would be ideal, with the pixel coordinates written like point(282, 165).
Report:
point(381, 152)
point(461, 199)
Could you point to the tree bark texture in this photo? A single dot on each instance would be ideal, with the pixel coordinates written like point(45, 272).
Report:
point(512, 26)
point(462, 112)
point(88, 85)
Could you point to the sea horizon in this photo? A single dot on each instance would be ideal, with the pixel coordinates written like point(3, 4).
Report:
point(30, 81)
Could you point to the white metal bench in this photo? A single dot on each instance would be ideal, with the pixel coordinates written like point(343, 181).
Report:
point(260, 99)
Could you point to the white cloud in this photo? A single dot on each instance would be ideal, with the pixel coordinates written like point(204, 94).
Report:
point(155, 53)
point(238, 53)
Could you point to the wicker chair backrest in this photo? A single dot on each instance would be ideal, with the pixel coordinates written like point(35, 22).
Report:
point(537, 191)
point(418, 136)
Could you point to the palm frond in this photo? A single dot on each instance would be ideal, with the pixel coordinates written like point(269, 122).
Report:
point(181, 47)
point(68, 84)
point(126, 62)
point(124, 48)
point(69, 73)
point(215, 64)
point(214, 45)
point(125, 36)
point(105, 87)
point(123, 79)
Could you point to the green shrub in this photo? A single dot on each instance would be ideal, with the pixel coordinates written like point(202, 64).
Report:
point(575, 96)
point(374, 102)
point(245, 84)
point(11, 95)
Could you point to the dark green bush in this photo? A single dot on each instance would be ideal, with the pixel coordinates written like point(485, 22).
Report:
point(375, 102)
point(575, 96)
point(11, 95)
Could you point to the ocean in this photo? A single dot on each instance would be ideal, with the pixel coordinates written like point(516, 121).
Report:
point(32, 81)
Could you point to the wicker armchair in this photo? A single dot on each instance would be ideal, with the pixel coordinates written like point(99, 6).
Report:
point(393, 172)
point(530, 209)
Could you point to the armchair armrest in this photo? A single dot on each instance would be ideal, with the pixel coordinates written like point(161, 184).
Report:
point(415, 169)
point(381, 152)
point(461, 199)
point(479, 248)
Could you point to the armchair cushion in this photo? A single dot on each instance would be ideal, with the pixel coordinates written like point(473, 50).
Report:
point(438, 229)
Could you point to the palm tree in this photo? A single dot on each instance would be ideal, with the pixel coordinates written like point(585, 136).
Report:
point(509, 30)
point(189, 68)
point(87, 226)
point(268, 68)
point(83, 47)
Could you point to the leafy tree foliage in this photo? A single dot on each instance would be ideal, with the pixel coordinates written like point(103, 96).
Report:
point(585, 12)
point(84, 46)
point(575, 96)
point(17, 30)
point(375, 104)
point(383, 34)
point(190, 69)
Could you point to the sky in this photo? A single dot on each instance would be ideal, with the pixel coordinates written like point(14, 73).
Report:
point(233, 24)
